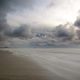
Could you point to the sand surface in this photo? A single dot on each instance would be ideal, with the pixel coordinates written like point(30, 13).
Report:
point(39, 64)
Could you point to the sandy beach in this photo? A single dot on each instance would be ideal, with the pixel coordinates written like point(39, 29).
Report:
point(17, 68)
point(39, 64)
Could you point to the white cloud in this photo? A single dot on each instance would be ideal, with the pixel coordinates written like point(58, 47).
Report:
point(61, 11)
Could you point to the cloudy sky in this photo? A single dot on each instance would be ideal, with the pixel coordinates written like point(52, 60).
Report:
point(18, 18)
point(47, 12)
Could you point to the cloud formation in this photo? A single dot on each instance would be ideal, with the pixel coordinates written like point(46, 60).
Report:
point(7, 6)
point(65, 33)
point(61, 31)
point(23, 32)
point(77, 22)
point(42, 15)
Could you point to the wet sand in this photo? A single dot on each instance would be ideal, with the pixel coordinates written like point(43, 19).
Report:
point(15, 67)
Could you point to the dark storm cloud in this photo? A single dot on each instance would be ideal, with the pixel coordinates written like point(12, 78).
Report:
point(7, 6)
point(4, 7)
point(4, 3)
point(61, 32)
point(77, 22)
point(23, 32)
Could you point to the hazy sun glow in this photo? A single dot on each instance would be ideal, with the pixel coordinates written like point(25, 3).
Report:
point(49, 12)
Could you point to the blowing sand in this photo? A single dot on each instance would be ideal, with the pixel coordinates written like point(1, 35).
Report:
point(17, 68)
point(39, 64)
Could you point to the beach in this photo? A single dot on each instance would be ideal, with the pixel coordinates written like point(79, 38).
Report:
point(39, 64)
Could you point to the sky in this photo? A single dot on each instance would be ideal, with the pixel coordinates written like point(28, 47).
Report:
point(47, 12)
point(56, 20)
